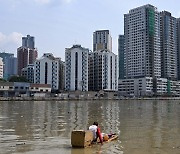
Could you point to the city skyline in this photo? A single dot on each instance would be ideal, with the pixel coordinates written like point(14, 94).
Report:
point(58, 24)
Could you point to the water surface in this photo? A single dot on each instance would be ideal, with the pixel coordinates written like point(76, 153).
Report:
point(43, 127)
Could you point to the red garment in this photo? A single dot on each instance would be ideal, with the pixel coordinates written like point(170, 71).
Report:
point(99, 135)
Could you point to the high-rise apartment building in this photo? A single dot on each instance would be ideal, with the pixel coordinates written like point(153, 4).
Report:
point(48, 70)
point(28, 73)
point(102, 40)
point(152, 52)
point(26, 54)
point(103, 71)
point(10, 65)
point(121, 55)
point(168, 45)
point(178, 47)
point(4, 55)
point(1, 67)
point(62, 75)
point(142, 42)
point(76, 68)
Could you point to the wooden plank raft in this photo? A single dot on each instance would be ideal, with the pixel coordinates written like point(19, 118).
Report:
point(113, 137)
point(82, 139)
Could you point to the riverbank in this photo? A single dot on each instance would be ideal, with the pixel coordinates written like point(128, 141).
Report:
point(96, 98)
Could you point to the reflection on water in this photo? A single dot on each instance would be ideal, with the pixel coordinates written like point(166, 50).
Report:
point(45, 127)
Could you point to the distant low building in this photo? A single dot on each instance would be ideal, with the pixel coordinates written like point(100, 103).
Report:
point(149, 86)
point(18, 88)
point(42, 88)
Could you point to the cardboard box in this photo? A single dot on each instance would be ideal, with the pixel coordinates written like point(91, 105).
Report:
point(81, 138)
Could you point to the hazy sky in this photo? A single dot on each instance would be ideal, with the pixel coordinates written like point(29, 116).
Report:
point(58, 24)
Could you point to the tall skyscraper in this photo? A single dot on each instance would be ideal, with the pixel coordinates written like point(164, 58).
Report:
point(142, 42)
point(47, 70)
point(168, 46)
point(121, 55)
point(102, 40)
point(178, 48)
point(76, 68)
point(28, 42)
point(26, 54)
point(103, 71)
point(152, 52)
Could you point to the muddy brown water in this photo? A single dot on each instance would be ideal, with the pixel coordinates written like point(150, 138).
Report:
point(43, 127)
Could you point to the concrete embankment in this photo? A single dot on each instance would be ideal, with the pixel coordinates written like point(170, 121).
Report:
point(81, 98)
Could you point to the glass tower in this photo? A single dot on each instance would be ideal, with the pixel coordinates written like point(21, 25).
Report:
point(28, 42)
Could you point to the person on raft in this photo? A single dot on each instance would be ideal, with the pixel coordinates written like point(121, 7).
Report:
point(96, 132)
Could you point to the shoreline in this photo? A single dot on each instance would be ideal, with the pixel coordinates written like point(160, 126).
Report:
point(79, 99)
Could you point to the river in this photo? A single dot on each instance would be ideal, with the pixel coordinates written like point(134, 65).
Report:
point(43, 127)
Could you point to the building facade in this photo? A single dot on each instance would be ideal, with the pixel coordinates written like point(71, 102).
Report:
point(142, 87)
point(47, 70)
point(26, 54)
point(76, 68)
point(102, 40)
point(4, 55)
point(103, 71)
point(11, 89)
point(28, 42)
point(168, 46)
point(62, 75)
point(1, 67)
point(152, 53)
point(10, 65)
point(121, 41)
point(178, 48)
point(142, 42)
point(28, 73)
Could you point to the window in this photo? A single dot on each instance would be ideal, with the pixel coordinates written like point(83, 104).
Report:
point(46, 72)
point(76, 71)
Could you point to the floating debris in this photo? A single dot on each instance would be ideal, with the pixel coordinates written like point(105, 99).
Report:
point(20, 143)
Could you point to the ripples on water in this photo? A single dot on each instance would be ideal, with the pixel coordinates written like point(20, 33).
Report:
point(45, 127)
